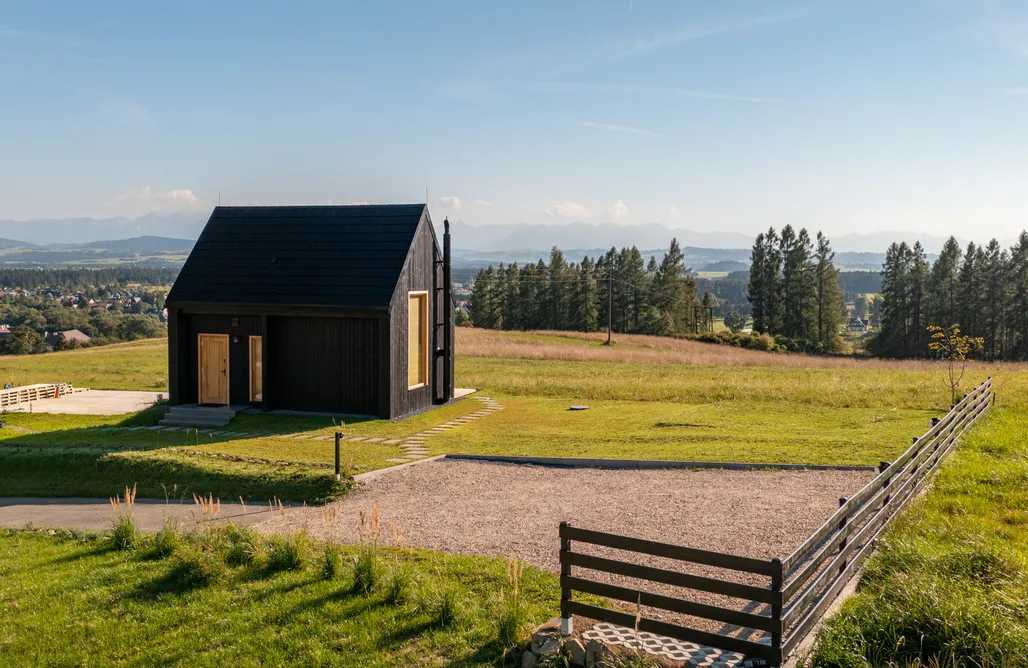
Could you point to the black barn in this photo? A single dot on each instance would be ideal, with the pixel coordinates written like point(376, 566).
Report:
point(337, 309)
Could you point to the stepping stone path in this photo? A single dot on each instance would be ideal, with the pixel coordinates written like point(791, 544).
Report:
point(414, 447)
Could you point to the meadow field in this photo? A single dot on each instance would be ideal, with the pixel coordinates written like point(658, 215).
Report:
point(947, 584)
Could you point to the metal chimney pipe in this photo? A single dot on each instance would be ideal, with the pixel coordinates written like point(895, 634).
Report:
point(448, 315)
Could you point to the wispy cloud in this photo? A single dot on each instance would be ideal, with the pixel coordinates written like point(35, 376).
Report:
point(619, 210)
point(134, 201)
point(1016, 90)
point(650, 90)
point(484, 78)
point(617, 128)
point(568, 210)
point(450, 203)
point(482, 202)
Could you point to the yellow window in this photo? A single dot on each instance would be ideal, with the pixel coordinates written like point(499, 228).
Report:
point(417, 337)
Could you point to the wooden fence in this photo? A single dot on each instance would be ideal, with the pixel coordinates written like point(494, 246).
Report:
point(27, 393)
point(801, 586)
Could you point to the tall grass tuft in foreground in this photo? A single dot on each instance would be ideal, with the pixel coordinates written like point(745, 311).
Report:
point(167, 540)
point(401, 574)
point(510, 626)
point(289, 553)
point(124, 533)
point(365, 562)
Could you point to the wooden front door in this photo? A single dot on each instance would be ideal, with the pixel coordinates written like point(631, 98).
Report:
point(213, 368)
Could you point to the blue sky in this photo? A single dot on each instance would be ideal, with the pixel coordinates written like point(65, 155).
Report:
point(846, 116)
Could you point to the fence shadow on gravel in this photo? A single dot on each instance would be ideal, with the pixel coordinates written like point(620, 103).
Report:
point(776, 616)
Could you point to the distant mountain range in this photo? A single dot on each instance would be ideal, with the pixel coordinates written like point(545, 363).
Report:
point(35, 241)
point(45, 231)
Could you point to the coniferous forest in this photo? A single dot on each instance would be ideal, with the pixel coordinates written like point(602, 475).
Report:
point(658, 298)
point(981, 289)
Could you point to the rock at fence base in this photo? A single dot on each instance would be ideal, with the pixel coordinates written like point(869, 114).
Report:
point(529, 660)
point(549, 648)
point(544, 633)
point(575, 652)
point(595, 653)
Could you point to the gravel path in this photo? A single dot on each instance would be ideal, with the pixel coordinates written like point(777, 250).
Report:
point(504, 509)
point(476, 508)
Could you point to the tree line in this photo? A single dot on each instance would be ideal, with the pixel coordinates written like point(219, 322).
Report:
point(794, 289)
point(658, 298)
point(982, 289)
point(81, 279)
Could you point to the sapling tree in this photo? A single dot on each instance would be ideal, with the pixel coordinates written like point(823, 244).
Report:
point(953, 347)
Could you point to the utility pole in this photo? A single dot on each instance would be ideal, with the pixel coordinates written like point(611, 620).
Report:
point(610, 297)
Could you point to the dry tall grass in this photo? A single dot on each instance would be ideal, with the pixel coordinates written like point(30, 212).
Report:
point(637, 348)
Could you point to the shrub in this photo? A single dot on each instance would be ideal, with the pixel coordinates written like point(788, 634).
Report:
point(167, 540)
point(401, 580)
point(331, 562)
point(288, 553)
point(244, 547)
point(443, 604)
point(199, 564)
point(365, 571)
point(125, 534)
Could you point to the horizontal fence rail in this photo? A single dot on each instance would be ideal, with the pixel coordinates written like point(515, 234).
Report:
point(802, 585)
point(27, 393)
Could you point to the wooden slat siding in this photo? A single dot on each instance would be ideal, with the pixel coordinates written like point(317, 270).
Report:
point(418, 274)
point(916, 475)
point(686, 580)
point(653, 548)
point(324, 364)
point(746, 647)
point(650, 600)
point(812, 543)
point(174, 382)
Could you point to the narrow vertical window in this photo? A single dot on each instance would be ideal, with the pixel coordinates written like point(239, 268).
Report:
point(256, 370)
point(417, 340)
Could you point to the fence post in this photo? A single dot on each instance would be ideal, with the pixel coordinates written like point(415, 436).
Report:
point(565, 571)
point(842, 526)
point(777, 576)
point(339, 438)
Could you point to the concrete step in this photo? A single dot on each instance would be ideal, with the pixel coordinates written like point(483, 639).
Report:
point(202, 410)
point(203, 424)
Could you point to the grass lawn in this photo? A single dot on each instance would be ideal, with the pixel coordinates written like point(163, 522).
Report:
point(78, 601)
point(53, 455)
point(948, 584)
point(142, 365)
point(723, 431)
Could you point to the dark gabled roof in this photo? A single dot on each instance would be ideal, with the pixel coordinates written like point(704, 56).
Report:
point(348, 256)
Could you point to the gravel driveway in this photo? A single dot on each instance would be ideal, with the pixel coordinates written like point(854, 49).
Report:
point(507, 509)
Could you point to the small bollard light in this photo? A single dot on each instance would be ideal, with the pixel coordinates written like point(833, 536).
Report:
point(339, 440)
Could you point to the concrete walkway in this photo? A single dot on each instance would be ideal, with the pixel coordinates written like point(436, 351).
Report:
point(97, 514)
point(92, 402)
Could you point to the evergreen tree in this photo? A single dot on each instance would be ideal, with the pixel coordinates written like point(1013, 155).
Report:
point(584, 305)
point(828, 296)
point(1017, 304)
point(969, 291)
point(510, 292)
point(994, 269)
point(944, 285)
point(557, 302)
point(798, 286)
point(892, 337)
point(484, 309)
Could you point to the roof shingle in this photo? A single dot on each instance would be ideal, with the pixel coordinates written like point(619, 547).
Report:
point(349, 256)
